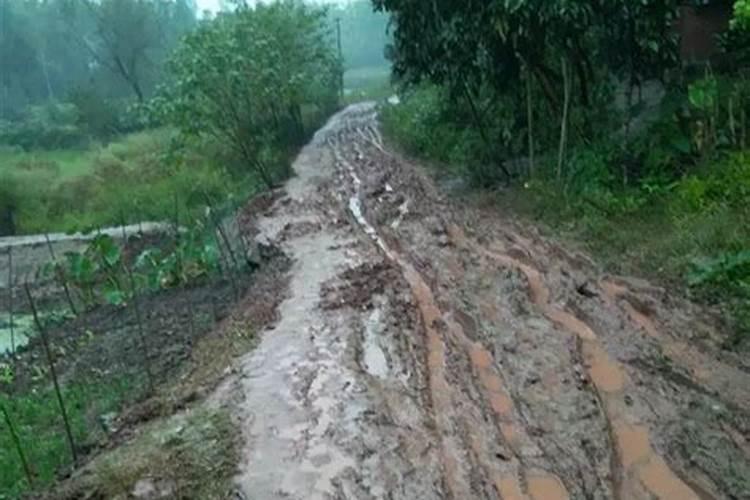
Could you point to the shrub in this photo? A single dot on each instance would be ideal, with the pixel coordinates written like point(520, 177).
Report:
point(50, 126)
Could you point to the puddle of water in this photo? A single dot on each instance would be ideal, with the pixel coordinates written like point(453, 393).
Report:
point(605, 373)
point(509, 488)
point(543, 486)
point(374, 358)
point(662, 482)
point(632, 443)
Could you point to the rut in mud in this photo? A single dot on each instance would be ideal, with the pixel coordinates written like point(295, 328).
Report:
point(429, 349)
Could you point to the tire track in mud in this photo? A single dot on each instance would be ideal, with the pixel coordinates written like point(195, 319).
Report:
point(718, 376)
point(638, 470)
point(539, 484)
point(638, 465)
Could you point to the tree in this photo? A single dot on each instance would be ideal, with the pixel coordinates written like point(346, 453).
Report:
point(244, 76)
point(130, 38)
point(484, 52)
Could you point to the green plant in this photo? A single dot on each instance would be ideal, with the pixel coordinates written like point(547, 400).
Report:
point(245, 78)
point(728, 276)
point(45, 447)
point(703, 96)
point(49, 126)
point(194, 257)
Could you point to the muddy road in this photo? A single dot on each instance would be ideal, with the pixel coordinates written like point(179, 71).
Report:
point(429, 349)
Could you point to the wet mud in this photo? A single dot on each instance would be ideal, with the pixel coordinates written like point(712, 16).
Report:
point(434, 349)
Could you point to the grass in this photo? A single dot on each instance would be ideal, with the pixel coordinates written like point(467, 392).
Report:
point(58, 166)
point(37, 420)
point(146, 176)
point(191, 456)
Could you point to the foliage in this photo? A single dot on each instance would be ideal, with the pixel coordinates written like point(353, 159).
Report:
point(495, 59)
point(37, 417)
point(99, 276)
point(741, 20)
point(195, 257)
point(48, 48)
point(244, 79)
point(50, 126)
point(142, 174)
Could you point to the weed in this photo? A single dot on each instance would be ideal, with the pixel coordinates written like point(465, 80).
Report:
point(189, 456)
point(45, 446)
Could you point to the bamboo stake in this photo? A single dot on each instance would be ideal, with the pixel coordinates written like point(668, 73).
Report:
point(53, 372)
point(530, 119)
point(138, 317)
point(60, 277)
point(564, 126)
point(17, 443)
point(10, 304)
point(218, 226)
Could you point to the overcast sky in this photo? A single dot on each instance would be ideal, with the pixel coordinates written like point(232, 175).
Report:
point(213, 5)
point(208, 4)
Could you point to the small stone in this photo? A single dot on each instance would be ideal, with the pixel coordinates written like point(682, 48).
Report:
point(533, 380)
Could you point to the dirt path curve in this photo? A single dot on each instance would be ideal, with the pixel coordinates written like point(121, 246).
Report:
point(431, 349)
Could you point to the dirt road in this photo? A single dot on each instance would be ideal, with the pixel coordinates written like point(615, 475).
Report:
point(429, 349)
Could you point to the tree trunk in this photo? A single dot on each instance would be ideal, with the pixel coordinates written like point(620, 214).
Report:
point(480, 125)
point(530, 120)
point(564, 126)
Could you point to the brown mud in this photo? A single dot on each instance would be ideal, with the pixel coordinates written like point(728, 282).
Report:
point(434, 349)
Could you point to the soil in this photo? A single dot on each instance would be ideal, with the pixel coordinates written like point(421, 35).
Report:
point(434, 349)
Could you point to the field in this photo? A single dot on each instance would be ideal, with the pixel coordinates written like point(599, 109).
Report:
point(59, 166)
point(143, 176)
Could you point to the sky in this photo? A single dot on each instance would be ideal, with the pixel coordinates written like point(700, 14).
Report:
point(213, 5)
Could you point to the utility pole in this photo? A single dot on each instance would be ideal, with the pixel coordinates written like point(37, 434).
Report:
point(341, 57)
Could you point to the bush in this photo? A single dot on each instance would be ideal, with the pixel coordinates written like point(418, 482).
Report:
point(51, 126)
point(418, 123)
point(98, 117)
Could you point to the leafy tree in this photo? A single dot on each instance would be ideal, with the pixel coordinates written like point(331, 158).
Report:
point(128, 37)
point(246, 76)
point(499, 53)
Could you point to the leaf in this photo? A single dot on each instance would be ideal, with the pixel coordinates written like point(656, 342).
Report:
point(114, 296)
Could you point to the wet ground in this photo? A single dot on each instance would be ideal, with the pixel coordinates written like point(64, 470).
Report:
point(429, 349)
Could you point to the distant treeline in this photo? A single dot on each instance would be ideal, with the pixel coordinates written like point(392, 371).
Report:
point(364, 34)
point(61, 50)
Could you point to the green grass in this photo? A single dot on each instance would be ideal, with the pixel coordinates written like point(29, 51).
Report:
point(58, 165)
point(36, 417)
point(146, 176)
